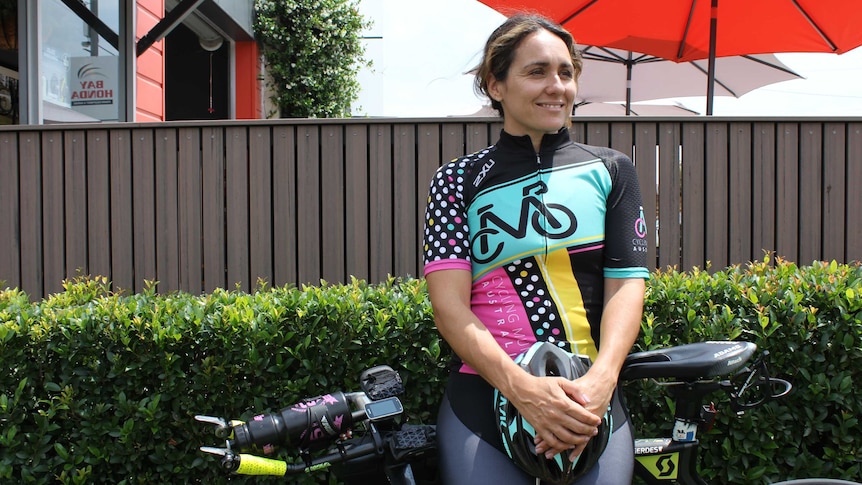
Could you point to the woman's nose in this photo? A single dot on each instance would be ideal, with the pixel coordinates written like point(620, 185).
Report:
point(556, 84)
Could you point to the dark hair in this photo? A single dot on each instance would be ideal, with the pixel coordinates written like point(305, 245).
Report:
point(499, 52)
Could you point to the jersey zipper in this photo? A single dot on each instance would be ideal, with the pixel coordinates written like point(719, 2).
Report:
point(544, 209)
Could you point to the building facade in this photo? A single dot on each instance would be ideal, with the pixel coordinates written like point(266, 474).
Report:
point(65, 61)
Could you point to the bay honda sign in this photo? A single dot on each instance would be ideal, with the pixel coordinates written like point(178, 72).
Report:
point(94, 89)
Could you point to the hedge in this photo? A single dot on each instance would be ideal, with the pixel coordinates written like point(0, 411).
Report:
point(102, 387)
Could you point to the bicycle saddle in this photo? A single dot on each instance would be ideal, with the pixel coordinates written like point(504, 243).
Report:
point(689, 362)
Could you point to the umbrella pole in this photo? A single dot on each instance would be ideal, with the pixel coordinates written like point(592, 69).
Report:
point(713, 27)
point(629, 65)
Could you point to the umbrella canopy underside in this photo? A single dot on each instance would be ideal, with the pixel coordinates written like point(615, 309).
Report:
point(606, 76)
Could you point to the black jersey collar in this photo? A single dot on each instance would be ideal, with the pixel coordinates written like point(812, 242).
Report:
point(550, 142)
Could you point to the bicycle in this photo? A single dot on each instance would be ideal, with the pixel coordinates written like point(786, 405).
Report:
point(369, 441)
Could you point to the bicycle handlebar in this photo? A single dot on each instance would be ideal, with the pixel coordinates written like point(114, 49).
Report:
point(757, 386)
point(249, 464)
point(311, 425)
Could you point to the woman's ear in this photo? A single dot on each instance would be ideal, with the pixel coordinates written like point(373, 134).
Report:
point(494, 88)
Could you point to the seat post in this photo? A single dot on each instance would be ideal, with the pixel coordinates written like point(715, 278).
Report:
point(690, 412)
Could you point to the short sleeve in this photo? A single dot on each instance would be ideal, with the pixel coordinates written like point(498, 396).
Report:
point(447, 237)
point(626, 242)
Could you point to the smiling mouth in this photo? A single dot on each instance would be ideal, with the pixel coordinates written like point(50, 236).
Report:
point(554, 106)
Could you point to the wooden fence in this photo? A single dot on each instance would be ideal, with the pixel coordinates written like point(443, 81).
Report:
point(201, 205)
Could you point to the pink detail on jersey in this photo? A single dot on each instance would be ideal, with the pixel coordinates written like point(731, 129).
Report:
point(583, 250)
point(452, 263)
point(497, 304)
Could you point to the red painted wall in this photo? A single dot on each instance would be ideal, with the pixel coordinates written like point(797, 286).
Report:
point(248, 85)
point(150, 82)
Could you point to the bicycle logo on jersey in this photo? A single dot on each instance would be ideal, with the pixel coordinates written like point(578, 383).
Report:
point(554, 221)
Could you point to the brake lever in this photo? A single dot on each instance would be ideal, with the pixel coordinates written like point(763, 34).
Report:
point(223, 428)
point(215, 451)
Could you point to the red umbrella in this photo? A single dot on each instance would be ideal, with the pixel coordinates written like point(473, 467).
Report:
point(686, 30)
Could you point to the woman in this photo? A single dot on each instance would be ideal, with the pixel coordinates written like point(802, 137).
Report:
point(533, 239)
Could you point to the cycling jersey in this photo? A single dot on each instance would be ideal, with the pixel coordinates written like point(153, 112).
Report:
point(539, 233)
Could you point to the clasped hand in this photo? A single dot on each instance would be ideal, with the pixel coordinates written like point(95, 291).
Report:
point(565, 414)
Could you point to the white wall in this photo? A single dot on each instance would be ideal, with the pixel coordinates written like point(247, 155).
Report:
point(420, 60)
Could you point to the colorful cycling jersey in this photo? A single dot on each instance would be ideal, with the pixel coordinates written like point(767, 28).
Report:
point(539, 232)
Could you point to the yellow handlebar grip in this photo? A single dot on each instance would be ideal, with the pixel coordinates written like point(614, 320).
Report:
point(255, 465)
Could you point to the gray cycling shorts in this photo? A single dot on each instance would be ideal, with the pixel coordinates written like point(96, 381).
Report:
point(467, 459)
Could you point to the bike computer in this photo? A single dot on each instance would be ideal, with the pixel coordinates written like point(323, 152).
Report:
point(384, 408)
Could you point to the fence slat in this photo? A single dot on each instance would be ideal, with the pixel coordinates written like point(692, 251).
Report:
point(167, 202)
point(190, 215)
point(123, 239)
point(98, 238)
point(622, 139)
point(10, 209)
point(739, 215)
point(693, 209)
point(716, 171)
point(787, 191)
point(452, 145)
point(236, 213)
point(406, 245)
point(669, 237)
point(75, 195)
point(380, 217)
point(143, 200)
point(763, 189)
point(30, 166)
point(356, 192)
point(810, 192)
point(598, 134)
point(284, 206)
point(332, 203)
point(479, 136)
point(213, 208)
point(308, 203)
point(53, 235)
point(260, 205)
point(834, 193)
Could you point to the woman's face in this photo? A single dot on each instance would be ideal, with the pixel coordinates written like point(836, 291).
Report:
point(539, 90)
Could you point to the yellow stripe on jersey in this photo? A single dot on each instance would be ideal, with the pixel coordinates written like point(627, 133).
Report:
point(557, 272)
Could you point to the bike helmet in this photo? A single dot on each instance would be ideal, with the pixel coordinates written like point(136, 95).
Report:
point(546, 359)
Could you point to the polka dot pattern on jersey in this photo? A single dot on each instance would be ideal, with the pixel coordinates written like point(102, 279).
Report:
point(538, 304)
point(446, 229)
